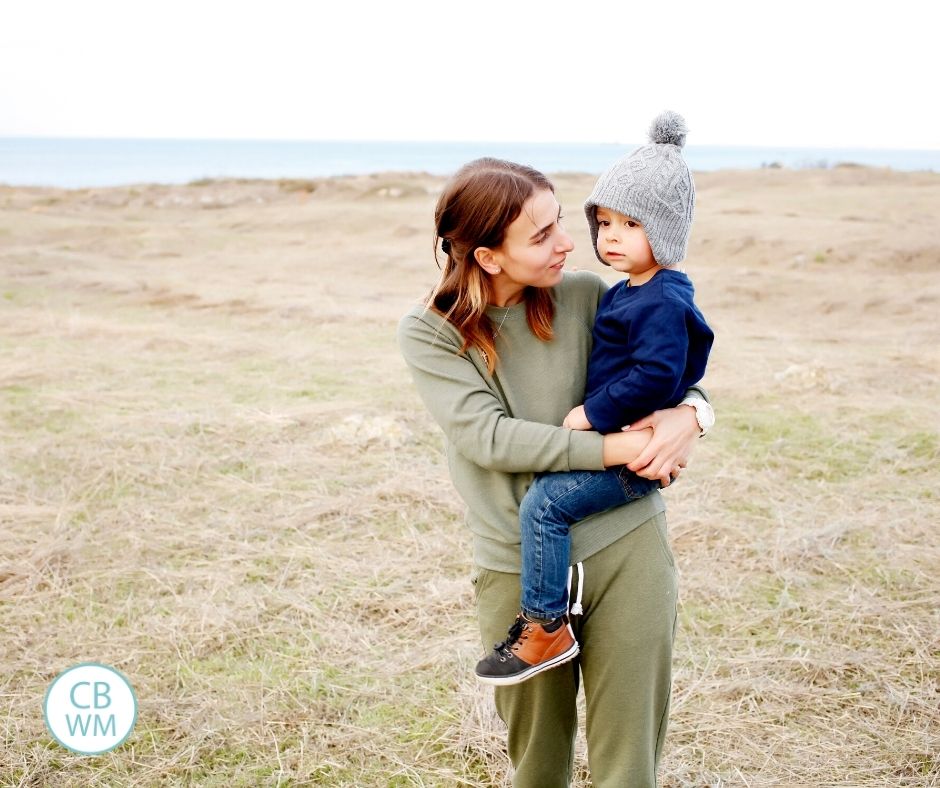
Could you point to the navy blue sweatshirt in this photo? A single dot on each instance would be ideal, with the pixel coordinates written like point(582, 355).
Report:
point(650, 344)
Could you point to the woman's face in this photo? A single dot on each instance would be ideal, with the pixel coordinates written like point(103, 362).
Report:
point(534, 249)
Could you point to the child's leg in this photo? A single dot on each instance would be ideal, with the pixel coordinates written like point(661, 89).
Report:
point(541, 637)
point(554, 503)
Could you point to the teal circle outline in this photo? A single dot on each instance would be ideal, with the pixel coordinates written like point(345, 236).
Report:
point(45, 712)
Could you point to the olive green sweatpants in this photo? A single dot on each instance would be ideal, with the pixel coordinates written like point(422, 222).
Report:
point(626, 634)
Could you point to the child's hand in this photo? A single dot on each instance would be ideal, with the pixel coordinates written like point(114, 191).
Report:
point(577, 419)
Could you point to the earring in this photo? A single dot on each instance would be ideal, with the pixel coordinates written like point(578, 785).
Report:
point(498, 270)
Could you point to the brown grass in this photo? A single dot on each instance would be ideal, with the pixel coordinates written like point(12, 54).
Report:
point(215, 476)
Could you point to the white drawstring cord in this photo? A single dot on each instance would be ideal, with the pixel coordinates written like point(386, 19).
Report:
point(576, 609)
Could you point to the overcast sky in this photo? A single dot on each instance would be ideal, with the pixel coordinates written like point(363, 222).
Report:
point(796, 73)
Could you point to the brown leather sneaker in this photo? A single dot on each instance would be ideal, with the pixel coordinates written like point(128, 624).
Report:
point(528, 649)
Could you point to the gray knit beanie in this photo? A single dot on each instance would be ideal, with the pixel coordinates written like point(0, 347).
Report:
point(654, 186)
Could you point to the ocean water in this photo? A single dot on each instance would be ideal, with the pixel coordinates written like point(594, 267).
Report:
point(79, 163)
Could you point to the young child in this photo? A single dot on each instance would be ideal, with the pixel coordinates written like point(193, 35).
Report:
point(650, 344)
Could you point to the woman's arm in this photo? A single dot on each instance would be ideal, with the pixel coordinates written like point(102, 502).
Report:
point(471, 415)
point(621, 448)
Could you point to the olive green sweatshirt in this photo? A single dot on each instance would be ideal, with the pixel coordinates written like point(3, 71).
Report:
point(501, 429)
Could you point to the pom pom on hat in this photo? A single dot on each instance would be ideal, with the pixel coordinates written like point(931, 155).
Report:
point(668, 128)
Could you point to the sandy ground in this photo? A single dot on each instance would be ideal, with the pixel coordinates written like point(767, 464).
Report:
point(215, 476)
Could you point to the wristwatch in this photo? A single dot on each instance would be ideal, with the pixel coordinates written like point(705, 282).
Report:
point(704, 413)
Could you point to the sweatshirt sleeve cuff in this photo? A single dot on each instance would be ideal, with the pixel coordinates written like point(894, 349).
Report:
point(598, 416)
point(585, 451)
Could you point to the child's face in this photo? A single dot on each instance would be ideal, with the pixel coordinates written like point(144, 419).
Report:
point(622, 244)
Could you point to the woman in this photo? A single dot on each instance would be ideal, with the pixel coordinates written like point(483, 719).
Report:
point(499, 354)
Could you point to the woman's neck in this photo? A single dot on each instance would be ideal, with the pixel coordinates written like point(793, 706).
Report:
point(505, 294)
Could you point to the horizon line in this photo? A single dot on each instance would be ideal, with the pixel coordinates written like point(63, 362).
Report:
point(87, 138)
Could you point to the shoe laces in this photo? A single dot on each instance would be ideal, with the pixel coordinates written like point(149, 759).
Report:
point(516, 633)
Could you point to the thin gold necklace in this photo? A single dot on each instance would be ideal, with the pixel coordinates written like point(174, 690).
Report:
point(502, 320)
point(486, 358)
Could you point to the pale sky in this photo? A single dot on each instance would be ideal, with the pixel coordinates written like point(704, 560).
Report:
point(824, 74)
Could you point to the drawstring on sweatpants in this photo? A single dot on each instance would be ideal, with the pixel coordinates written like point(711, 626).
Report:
point(576, 609)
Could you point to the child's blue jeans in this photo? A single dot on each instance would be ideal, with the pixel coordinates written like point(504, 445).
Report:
point(554, 503)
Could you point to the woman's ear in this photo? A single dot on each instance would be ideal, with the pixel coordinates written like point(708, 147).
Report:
point(486, 259)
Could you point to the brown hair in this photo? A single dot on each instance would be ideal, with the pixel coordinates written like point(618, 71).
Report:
point(482, 199)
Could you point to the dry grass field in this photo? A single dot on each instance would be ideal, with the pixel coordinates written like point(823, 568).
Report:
point(216, 476)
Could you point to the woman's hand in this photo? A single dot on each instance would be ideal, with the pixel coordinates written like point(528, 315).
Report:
point(675, 432)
